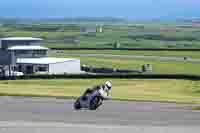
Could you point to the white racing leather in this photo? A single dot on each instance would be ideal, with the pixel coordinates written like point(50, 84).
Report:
point(104, 94)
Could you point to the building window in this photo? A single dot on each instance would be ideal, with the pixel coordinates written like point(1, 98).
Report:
point(30, 53)
point(39, 52)
point(42, 69)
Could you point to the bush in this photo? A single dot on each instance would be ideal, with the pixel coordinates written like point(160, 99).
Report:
point(113, 76)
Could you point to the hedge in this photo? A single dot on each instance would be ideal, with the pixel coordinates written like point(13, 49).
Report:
point(113, 76)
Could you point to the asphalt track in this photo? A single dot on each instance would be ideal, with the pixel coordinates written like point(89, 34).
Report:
point(153, 58)
point(39, 115)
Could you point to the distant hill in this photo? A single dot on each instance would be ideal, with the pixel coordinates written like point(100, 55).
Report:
point(190, 20)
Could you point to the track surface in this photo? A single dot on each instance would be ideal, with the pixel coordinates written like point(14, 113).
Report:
point(32, 115)
point(154, 58)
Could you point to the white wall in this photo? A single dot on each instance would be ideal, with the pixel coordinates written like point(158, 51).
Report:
point(72, 67)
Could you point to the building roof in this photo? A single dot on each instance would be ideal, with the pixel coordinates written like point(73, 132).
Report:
point(21, 39)
point(27, 47)
point(43, 61)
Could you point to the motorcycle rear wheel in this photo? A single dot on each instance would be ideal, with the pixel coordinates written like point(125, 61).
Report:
point(94, 103)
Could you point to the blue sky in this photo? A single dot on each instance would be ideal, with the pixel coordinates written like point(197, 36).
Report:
point(133, 9)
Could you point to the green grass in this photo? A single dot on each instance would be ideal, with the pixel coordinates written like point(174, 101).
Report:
point(190, 54)
point(111, 34)
point(181, 91)
point(196, 108)
point(164, 67)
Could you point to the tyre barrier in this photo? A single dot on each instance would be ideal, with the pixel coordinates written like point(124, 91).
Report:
point(92, 69)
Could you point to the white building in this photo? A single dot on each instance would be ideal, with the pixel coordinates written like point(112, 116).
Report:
point(49, 65)
point(24, 54)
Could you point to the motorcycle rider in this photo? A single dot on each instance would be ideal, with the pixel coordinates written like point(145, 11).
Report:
point(104, 89)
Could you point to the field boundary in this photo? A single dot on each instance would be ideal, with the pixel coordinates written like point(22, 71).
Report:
point(128, 49)
point(102, 76)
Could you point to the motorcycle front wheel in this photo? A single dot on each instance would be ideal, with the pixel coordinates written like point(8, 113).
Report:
point(77, 104)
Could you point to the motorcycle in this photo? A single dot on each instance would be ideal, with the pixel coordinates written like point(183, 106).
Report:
point(89, 101)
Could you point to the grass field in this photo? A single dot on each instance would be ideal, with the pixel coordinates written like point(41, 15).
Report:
point(181, 91)
point(190, 54)
point(129, 36)
point(159, 67)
